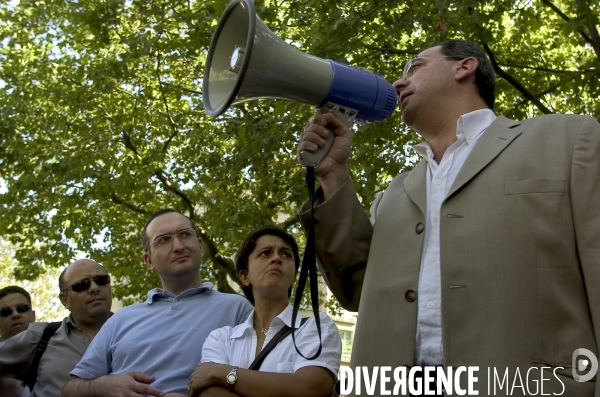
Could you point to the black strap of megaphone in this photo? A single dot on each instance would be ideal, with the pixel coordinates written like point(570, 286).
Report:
point(309, 269)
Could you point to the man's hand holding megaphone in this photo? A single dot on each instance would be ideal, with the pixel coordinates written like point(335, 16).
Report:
point(333, 170)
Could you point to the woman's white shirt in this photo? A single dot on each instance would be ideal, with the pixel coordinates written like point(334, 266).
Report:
point(237, 345)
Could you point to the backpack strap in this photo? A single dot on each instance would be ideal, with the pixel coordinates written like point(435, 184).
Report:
point(30, 376)
point(285, 331)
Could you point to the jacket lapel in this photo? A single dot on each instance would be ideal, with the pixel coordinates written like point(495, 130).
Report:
point(497, 137)
point(415, 185)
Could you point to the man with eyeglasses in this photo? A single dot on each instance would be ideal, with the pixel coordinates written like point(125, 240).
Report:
point(487, 253)
point(84, 290)
point(152, 348)
point(15, 316)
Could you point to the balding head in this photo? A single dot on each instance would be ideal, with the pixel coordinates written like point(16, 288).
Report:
point(79, 262)
point(85, 291)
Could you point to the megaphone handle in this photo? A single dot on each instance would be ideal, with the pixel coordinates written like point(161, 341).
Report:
point(346, 116)
point(313, 159)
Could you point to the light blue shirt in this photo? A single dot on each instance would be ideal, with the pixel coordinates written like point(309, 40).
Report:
point(162, 337)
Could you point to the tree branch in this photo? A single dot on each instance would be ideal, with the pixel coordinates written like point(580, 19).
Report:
point(535, 100)
point(126, 137)
point(169, 186)
point(135, 106)
point(182, 88)
point(224, 266)
point(117, 200)
point(128, 143)
point(545, 92)
point(223, 283)
point(394, 51)
point(164, 99)
point(594, 43)
point(360, 17)
point(288, 222)
point(107, 115)
point(586, 13)
point(510, 65)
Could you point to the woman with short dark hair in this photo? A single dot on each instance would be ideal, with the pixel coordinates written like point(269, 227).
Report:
point(267, 264)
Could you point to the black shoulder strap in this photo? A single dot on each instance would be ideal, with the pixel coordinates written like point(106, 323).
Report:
point(285, 331)
point(31, 375)
point(308, 270)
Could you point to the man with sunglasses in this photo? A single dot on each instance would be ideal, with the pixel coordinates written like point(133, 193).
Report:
point(84, 290)
point(152, 348)
point(15, 311)
point(15, 316)
point(486, 253)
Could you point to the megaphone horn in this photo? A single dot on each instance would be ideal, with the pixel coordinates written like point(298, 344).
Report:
point(246, 60)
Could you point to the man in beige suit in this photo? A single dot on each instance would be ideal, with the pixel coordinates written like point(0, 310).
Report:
point(487, 253)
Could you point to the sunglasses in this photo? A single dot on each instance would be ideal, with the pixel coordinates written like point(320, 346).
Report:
point(84, 285)
point(8, 311)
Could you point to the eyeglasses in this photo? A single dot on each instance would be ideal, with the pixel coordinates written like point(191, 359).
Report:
point(8, 311)
point(410, 67)
point(165, 240)
point(84, 285)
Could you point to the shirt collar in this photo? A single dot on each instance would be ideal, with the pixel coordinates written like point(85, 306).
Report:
point(246, 325)
point(71, 323)
point(476, 122)
point(283, 318)
point(159, 293)
point(468, 127)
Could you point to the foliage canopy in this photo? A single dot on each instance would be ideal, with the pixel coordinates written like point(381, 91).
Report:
point(102, 118)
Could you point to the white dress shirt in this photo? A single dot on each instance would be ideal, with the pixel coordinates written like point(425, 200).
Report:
point(237, 345)
point(440, 177)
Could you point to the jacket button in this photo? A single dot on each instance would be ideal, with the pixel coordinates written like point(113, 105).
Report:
point(419, 228)
point(410, 295)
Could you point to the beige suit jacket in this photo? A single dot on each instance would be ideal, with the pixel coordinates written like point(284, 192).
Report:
point(520, 257)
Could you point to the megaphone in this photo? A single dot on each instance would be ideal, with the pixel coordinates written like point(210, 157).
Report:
point(246, 61)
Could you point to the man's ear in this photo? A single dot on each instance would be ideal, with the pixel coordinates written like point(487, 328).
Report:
point(33, 311)
point(466, 68)
point(63, 299)
point(201, 245)
point(148, 260)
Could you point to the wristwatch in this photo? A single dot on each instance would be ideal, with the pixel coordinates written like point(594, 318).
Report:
point(232, 378)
